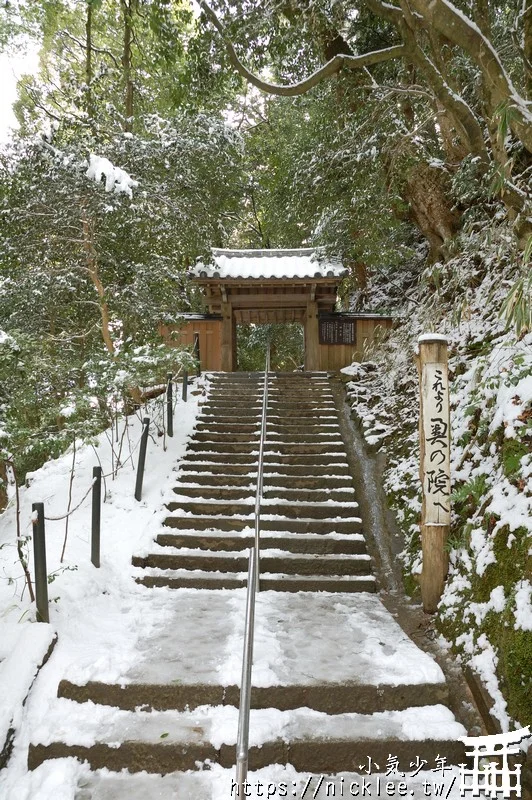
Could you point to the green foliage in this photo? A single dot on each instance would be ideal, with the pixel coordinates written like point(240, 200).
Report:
point(517, 307)
point(469, 496)
point(286, 347)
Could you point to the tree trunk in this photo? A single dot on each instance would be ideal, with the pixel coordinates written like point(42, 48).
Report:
point(94, 273)
point(3, 485)
point(426, 191)
point(88, 62)
point(527, 46)
point(127, 14)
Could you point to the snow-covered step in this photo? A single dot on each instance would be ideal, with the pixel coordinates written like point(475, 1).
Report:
point(217, 782)
point(275, 582)
point(314, 495)
point(166, 741)
point(328, 697)
point(302, 525)
point(271, 560)
point(225, 425)
point(292, 542)
point(329, 509)
point(304, 448)
point(215, 492)
point(308, 481)
point(311, 495)
point(213, 435)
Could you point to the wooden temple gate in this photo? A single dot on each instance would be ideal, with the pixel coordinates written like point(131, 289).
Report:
point(275, 286)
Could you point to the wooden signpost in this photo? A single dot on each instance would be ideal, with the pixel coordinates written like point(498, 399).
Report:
point(435, 466)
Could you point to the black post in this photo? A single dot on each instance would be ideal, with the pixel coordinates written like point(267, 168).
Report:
point(197, 353)
point(96, 515)
point(142, 458)
point(185, 386)
point(39, 555)
point(169, 407)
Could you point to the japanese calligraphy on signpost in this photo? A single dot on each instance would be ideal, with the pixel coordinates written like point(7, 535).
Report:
point(436, 468)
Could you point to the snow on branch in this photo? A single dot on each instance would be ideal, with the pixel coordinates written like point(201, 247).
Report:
point(116, 179)
point(301, 87)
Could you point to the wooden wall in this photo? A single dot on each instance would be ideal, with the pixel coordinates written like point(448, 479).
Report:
point(210, 333)
point(334, 357)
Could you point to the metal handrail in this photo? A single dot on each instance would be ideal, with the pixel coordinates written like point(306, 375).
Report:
point(242, 745)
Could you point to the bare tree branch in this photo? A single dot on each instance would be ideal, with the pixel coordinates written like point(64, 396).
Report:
point(101, 50)
point(332, 67)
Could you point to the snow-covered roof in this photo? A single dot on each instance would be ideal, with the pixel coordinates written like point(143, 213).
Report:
point(304, 262)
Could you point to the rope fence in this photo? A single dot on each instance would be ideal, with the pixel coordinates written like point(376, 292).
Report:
point(163, 409)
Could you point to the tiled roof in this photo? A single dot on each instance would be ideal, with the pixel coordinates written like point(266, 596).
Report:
point(304, 262)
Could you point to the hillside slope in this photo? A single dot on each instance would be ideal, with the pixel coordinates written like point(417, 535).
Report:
point(485, 612)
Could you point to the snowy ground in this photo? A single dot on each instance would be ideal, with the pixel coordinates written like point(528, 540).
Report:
point(100, 615)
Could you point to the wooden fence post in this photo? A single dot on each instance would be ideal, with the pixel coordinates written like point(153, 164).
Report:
point(197, 354)
point(96, 515)
point(169, 406)
point(39, 555)
point(435, 467)
point(142, 457)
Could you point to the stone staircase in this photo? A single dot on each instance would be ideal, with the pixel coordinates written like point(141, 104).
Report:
point(311, 537)
point(335, 679)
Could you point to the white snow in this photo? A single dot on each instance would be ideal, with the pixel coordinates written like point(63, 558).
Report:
point(116, 179)
point(433, 337)
point(302, 263)
point(523, 605)
point(22, 651)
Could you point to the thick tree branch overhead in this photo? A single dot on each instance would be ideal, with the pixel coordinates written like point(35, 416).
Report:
point(332, 67)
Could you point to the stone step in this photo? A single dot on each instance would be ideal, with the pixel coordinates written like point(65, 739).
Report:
point(286, 563)
point(326, 511)
point(328, 756)
point(287, 428)
point(249, 459)
point(291, 481)
point(222, 448)
point(226, 437)
point(212, 410)
point(330, 460)
point(329, 698)
point(303, 448)
point(311, 461)
point(302, 392)
point(274, 471)
point(316, 526)
point(217, 481)
point(220, 782)
point(288, 411)
point(308, 436)
point(228, 492)
point(225, 425)
point(236, 395)
point(311, 495)
point(278, 582)
point(293, 543)
point(216, 492)
point(198, 467)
